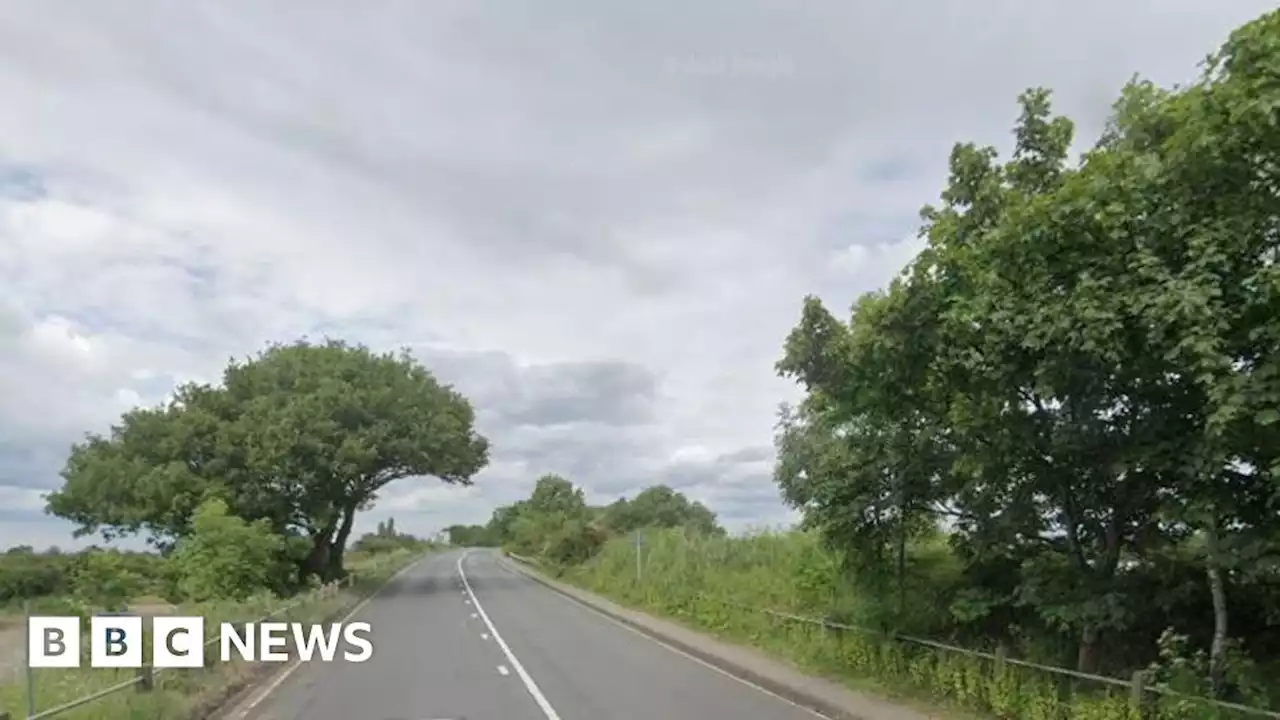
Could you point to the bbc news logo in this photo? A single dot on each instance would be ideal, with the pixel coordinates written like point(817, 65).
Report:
point(179, 642)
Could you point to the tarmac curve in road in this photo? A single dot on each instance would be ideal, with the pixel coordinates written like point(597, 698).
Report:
point(459, 636)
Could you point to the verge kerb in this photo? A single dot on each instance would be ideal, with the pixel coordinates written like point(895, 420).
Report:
point(783, 689)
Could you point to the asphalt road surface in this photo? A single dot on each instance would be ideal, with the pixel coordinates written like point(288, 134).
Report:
point(460, 637)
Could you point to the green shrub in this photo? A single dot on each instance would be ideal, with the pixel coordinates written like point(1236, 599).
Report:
point(225, 557)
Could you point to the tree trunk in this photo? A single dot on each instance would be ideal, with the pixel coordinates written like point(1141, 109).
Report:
point(338, 548)
point(317, 563)
point(901, 571)
point(1090, 650)
point(1218, 647)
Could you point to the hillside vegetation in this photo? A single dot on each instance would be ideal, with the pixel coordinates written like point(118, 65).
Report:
point(1056, 433)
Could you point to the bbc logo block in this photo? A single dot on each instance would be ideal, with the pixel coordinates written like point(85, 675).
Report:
point(53, 642)
point(178, 642)
point(116, 642)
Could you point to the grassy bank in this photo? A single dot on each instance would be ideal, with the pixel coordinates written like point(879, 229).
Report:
point(712, 583)
point(190, 693)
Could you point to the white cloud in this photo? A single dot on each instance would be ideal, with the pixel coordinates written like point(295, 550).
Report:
point(607, 216)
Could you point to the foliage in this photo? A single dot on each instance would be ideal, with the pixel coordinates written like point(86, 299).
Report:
point(95, 576)
point(556, 525)
point(225, 557)
point(102, 578)
point(472, 536)
point(386, 539)
point(25, 573)
point(301, 436)
point(1078, 377)
point(194, 693)
point(659, 506)
point(1056, 434)
point(720, 584)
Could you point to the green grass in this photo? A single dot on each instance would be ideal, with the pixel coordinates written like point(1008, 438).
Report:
point(187, 693)
point(707, 583)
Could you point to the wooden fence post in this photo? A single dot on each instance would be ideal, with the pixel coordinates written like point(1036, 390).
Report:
point(146, 679)
point(1137, 690)
point(1002, 653)
point(836, 631)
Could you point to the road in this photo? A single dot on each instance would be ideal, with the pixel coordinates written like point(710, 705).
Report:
point(461, 637)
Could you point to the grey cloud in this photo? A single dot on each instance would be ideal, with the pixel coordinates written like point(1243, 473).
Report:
point(636, 195)
point(748, 455)
point(510, 395)
point(29, 464)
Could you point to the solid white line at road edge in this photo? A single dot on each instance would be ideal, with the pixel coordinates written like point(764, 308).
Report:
point(298, 663)
point(646, 636)
point(529, 684)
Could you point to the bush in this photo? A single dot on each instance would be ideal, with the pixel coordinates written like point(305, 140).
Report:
point(26, 574)
point(226, 557)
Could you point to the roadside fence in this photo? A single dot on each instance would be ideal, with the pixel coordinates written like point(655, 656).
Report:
point(144, 679)
point(1139, 687)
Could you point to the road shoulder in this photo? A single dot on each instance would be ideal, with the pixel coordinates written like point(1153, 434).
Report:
point(823, 696)
point(244, 699)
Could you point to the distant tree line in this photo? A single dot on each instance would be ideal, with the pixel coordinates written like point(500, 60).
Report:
point(556, 524)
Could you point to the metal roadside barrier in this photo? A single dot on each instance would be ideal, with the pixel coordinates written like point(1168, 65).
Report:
point(144, 680)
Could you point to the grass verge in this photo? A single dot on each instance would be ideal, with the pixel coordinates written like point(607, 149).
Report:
point(709, 584)
point(195, 693)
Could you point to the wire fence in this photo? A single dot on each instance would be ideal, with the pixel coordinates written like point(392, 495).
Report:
point(144, 679)
point(1139, 686)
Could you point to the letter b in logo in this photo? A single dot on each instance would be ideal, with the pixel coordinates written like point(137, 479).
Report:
point(54, 642)
point(116, 642)
point(177, 642)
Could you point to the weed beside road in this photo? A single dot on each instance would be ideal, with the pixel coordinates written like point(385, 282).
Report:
point(186, 693)
point(727, 586)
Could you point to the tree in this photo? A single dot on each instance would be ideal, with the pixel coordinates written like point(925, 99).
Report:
point(864, 451)
point(553, 494)
point(1079, 369)
point(501, 525)
point(1201, 164)
point(660, 506)
point(471, 536)
point(303, 436)
point(101, 578)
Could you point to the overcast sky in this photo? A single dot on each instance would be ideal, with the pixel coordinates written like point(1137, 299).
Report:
point(597, 219)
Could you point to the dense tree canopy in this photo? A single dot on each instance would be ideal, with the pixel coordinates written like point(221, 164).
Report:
point(301, 437)
point(1079, 377)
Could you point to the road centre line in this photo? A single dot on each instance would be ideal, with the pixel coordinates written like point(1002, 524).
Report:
point(525, 678)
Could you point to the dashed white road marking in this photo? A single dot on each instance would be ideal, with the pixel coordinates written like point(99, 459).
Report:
point(502, 670)
point(474, 616)
point(467, 602)
point(484, 636)
point(529, 684)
